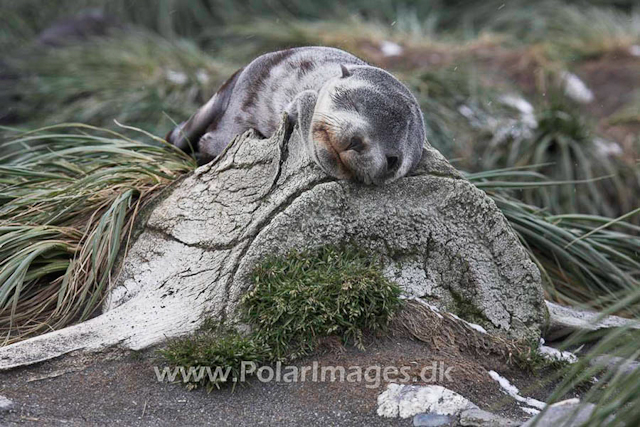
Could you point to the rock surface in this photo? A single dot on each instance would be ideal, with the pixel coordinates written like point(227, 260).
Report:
point(431, 420)
point(621, 365)
point(561, 414)
point(404, 401)
point(565, 320)
point(440, 238)
point(479, 418)
point(5, 404)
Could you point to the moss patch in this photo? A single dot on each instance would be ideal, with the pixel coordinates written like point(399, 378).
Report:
point(297, 300)
point(465, 308)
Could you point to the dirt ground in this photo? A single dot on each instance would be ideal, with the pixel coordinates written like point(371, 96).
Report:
point(121, 389)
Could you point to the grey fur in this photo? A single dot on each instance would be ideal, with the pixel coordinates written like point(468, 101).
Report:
point(356, 121)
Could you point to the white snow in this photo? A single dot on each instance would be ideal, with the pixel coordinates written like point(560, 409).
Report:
point(471, 325)
point(176, 77)
point(607, 148)
point(476, 327)
point(408, 400)
point(573, 401)
point(433, 308)
point(551, 353)
point(202, 76)
point(575, 88)
point(390, 48)
point(518, 103)
point(513, 391)
point(525, 108)
point(466, 111)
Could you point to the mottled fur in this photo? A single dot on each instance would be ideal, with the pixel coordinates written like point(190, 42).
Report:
point(356, 120)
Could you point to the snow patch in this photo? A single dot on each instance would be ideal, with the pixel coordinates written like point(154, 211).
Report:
point(518, 103)
point(607, 148)
point(573, 401)
point(389, 48)
point(466, 111)
point(471, 325)
point(476, 327)
point(202, 76)
point(575, 88)
point(433, 308)
point(513, 391)
point(408, 400)
point(176, 77)
point(551, 353)
point(525, 108)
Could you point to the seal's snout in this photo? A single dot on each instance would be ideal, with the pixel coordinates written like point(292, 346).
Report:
point(369, 164)
point(355, 155)
point(392, 164)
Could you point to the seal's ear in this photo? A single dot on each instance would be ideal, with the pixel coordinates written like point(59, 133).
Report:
point(345, 72)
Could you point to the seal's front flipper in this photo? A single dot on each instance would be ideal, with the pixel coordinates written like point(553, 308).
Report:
point(300, 112)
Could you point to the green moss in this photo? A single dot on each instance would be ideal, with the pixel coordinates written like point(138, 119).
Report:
point(297, 299)
point(464, 308)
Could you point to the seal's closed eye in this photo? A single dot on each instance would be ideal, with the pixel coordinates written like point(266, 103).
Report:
point(356, 144)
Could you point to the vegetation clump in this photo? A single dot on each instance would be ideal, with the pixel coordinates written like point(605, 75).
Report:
point(69, 198)
point(297, 300)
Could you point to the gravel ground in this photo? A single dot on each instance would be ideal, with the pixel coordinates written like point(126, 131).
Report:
point(121, 389)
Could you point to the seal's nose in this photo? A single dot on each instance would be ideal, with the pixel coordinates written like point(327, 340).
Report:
point(392, 164)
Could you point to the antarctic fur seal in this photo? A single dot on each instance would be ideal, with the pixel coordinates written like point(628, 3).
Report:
point(357, 121)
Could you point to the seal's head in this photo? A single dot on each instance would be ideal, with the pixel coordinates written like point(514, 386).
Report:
point(366, 126)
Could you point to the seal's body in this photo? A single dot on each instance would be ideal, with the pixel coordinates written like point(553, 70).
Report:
point(356, 120)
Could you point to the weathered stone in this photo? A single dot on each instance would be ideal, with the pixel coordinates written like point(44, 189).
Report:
point(431, 420)
point(620, 365)
point(571, 414)
point(404, 401)
point(565, 320)
point(479, 418)
point(440, 238)
point(5, 404)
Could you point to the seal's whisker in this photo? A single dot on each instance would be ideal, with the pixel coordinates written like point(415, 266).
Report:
point(331, 120)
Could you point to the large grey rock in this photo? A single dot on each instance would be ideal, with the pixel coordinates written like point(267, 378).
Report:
point(406, 400)
point(5, 404)
point(476, 417)
point(565, 320)
point(570, 414)
point(619, 364)
point(431, 420)
point(440, 238)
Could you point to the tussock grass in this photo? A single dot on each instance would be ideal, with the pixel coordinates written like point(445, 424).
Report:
point(69, 196)
point(135, 77)
point(297, 300)
point(584, 259)
point(360, 36)
point(588, 31)
point(606, 368)
point(628, 113)
point(563, 148)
